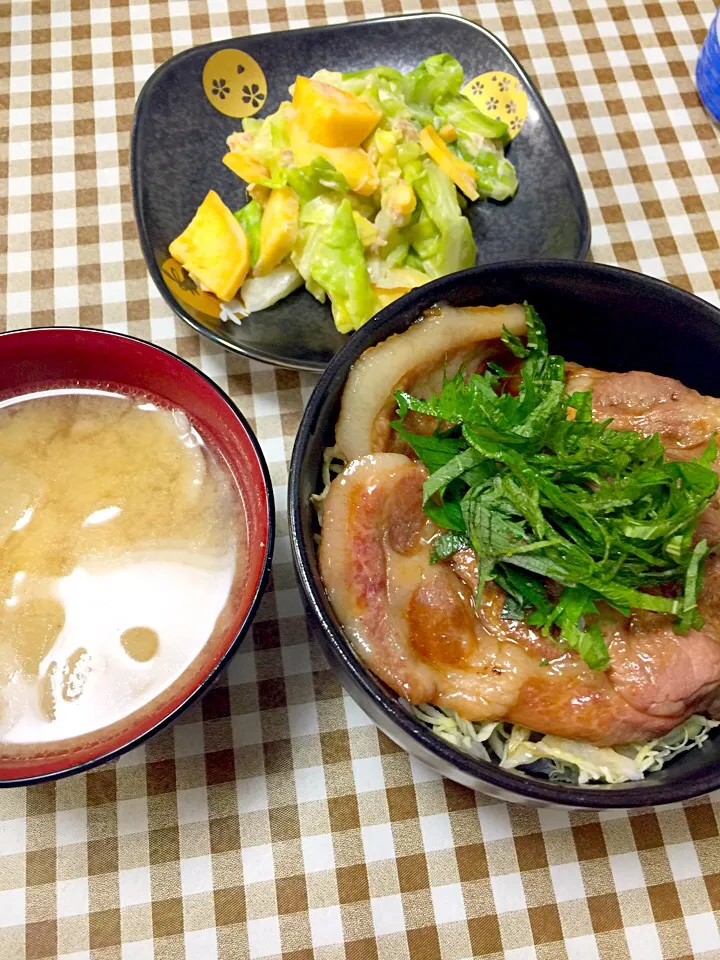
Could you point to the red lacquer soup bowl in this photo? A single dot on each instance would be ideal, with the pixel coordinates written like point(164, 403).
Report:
point(37, 359)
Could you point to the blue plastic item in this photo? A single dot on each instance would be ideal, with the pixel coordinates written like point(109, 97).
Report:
point(708, 69)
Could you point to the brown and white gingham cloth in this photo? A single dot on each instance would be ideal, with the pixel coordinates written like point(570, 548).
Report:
point(273, 820)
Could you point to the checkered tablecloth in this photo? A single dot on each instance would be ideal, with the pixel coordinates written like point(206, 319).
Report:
point(273, 820)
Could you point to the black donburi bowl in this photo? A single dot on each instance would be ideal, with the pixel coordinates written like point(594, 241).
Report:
point(597, 315)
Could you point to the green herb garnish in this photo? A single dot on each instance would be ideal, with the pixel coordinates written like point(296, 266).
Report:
point(542, 497)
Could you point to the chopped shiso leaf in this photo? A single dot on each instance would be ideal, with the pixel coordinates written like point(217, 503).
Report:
point(541, 497)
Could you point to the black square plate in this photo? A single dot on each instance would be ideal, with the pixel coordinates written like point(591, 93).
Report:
point(178, 141)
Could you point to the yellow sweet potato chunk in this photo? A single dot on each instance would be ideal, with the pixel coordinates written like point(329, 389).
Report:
point(352, 162)
point(213, 248)
point(333, 117)
point(278, 229)
point(246, 167)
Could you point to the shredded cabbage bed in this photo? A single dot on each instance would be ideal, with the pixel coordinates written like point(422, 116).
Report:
point(559, 759)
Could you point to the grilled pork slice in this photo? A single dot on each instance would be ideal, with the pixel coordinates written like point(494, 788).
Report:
point(445, 340)
point(646, 403)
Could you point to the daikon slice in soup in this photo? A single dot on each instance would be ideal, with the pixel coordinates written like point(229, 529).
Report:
point(121, 538)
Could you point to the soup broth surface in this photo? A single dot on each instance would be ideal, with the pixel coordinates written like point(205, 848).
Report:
point(120, 535)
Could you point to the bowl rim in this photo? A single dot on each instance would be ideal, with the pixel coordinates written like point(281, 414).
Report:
point(153, 268)
point(338, 648)
point(262, 579)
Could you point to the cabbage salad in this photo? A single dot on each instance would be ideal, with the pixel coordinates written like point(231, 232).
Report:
point(357, 190)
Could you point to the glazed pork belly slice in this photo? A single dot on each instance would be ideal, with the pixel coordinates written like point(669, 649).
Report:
point(443, 341)
point(685, 419)
point(411, 621)
point(657, 677)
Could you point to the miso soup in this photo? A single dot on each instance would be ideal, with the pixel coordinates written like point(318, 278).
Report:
point(121, 535)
